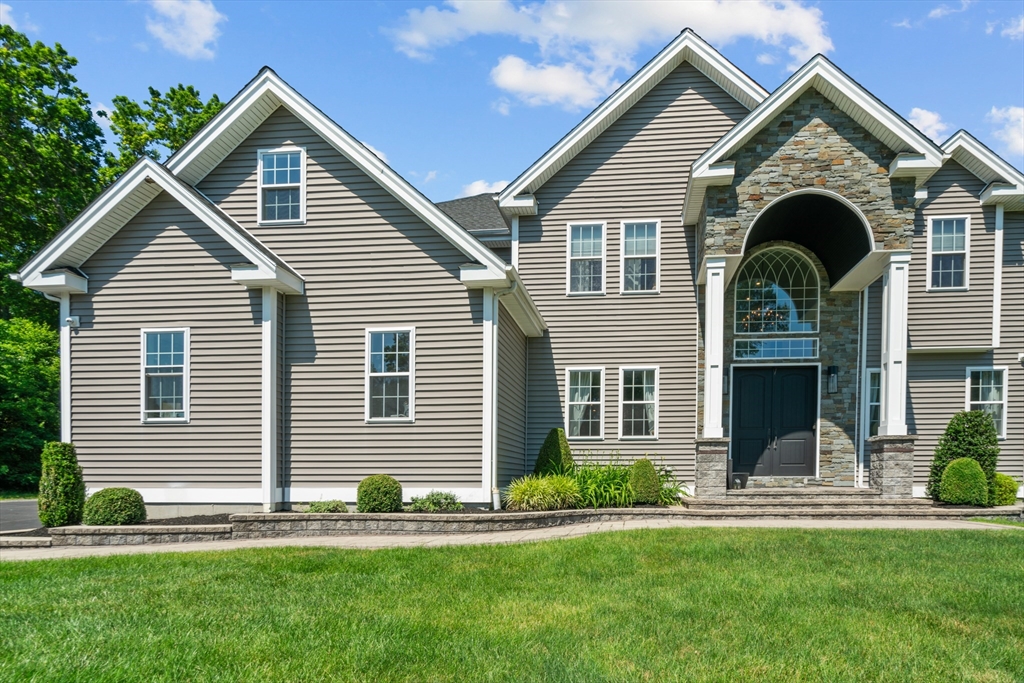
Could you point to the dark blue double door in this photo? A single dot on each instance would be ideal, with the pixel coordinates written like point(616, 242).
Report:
point(774, 419)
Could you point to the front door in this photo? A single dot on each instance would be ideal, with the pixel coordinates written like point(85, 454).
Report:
point(774, 415)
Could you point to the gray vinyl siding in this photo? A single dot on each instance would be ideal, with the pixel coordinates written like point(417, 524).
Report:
point(953, 191)
point(636, 169)
point(368, 262)
point(511, 399)
point(166, 269)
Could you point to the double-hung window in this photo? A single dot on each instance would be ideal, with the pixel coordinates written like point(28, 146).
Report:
point(165, 375)
point(638, 410)
point(390, 369)
point(282, 181)
point(948, 250)
point(584, 403)
point(586, 258)
point(986, 391)
point(640, 257)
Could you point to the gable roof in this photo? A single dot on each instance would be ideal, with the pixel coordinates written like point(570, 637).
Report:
point(47, 271)
point(260, 98)
point(1005, 183)
point(687, 47)
point(917, 156)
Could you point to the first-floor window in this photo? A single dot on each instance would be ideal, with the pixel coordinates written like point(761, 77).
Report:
point(389, 374)
point(164, 375)
point(874, 401)
point(986, 391)
point(639, 403)
point(584, 396)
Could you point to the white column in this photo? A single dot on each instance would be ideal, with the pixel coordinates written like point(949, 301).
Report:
point(894, 345)
point(65, 367)
point(269, 401)
point(490, 403)
point(997, 279)
point(714, 352)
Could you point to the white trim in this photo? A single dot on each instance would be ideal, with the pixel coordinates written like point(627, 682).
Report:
point(895, 293)
point(714, 345)
point(997, 278)
point(65, 367)
point(817, 279)
point(260, 153)
point(569, 257)
point(967, 253)
point(657, 401)
point(489, 465)
point(349, 493)
point(515, 242)
point(1006, 381)
point(657, 257)
point(186, 373)
point(862, 374)
point(411, 329)
point(589, 368)
point(195, 494)
point(1005, 183)
point(268, 401)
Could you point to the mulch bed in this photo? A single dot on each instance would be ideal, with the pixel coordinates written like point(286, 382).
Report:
point(41, 532)
point(194, 520)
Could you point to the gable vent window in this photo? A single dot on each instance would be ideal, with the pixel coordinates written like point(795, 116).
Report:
point(282, 180)
point(948, 248)
point(165, 375)
point(640, 257)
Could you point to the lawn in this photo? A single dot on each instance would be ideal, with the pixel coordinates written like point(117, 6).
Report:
point(655, 605)
point(1005, 522)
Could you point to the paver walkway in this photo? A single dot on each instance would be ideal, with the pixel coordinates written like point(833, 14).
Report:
point(367, 542)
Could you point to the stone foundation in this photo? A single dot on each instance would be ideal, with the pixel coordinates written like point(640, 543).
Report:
point(892, 465)
point(711, 468)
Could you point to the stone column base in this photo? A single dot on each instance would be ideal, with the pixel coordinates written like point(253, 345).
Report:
point(892, 465)
point(712, 454)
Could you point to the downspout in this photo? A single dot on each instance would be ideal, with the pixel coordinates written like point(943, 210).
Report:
point(495, 493)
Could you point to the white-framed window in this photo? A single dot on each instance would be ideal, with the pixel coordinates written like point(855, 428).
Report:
point(638, 402)
point(584, 403)
point(777, 292)
point(585, 258)
point(281, 177)
point(391, 374)
point(874, 400)
point(165, 375)
point(949, 249)
point(641, 257)
point(986, 391)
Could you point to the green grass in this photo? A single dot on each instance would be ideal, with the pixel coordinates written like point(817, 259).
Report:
point(18, 495)
point(1005, 522)
point(653, 605)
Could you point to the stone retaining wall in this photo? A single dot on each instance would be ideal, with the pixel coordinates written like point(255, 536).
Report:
point(138, 535)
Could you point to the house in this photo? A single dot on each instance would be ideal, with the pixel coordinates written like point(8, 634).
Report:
point(796, 285)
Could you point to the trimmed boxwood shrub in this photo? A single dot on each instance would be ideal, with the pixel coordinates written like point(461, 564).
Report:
point(319, 507)
point(114, 506)
point(555, 456)
point(644, 480)
point(969, 434)
point(538, 492)
point(435, 501)
point(379, 493)
point(963, 483)
point(61, 487)
point(1006, 490)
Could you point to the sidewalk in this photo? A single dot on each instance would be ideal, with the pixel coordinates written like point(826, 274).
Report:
point(368, 542)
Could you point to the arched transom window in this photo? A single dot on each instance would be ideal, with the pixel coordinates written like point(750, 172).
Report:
point(777, 292)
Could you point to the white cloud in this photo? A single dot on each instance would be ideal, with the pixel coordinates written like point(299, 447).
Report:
point(903, 24)
point(1014, 29)
point(103, 121)
point(502, 106)
point(481, 186)
point(929, 122)
point(1011, 130)
point(945, 10)
point(584, 48)
point(24, 25)
point(188, 27)
point(381, 155)
point(766, 58)
point(431, 175)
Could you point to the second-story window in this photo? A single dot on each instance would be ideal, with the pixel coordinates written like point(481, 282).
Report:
point(282, 192)
point(586, 258)
point(947, 253)
point(640, 257)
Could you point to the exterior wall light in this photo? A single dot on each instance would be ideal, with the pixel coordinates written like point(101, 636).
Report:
point(833, 379)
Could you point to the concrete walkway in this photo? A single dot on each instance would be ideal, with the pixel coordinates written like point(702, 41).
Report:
point(368, 542)
point(19, 515)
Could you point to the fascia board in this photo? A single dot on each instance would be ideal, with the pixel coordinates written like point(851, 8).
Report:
point(256, 277)
point(57, 282)
point(530, 321)
point(963, 142)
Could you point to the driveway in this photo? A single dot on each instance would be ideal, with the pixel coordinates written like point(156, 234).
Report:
point(19, 514)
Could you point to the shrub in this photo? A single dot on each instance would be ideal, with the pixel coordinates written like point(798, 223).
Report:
point(969, 434)
point(536, 492)
point(603, 486)
point(435, 501)
point(114, 506)
point(61, 488)
point(379, 493)
point(1006, 490)
point(644, 480)
point(963, 483)
point(555, 456)
point(320, 507)
point(671, 490)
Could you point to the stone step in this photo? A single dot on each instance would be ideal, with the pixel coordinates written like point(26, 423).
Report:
point(805, 491)
point(24, 542)
point(809, 501)
point(858, 512)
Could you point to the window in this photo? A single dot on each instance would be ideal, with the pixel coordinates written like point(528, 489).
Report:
point(947, 253)
point(640, 257)
point(165, 375)
point(584, 403)
point(757, 349)
point(638, 409)
point(282, 177)
point(586, 259)
point(874, 400)
point(777, 292)
point(986, 391)
point(389, 375)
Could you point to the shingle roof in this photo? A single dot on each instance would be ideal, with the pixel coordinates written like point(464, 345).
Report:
point(478, 214)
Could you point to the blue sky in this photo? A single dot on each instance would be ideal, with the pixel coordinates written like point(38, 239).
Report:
point(461, 96)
